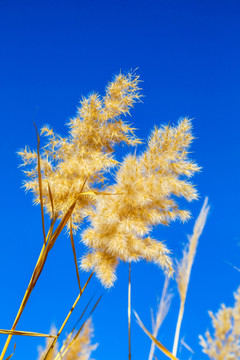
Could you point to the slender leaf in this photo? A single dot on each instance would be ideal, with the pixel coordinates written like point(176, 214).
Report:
point(157, 343)
point(40, 182)
point(25, 333)
point(74, 255)
point(14, 348)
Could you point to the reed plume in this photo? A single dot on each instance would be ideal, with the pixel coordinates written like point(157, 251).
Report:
point(184, 267)
point(67, 172)
point(80, 349)
point(63, 173)
point(224, 344)
point(143, 197)
point(69, 164)
point(42, 350)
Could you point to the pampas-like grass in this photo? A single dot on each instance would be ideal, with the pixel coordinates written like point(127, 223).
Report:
point(184, 267)
point(42, 350)
point(144, 196)
point(80, 349)
point(224, 344)
point(82, 158)
point(67, 177)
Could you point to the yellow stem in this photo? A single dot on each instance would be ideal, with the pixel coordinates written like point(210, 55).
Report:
point(178, 327)
point(66, 319)
point(23, 303)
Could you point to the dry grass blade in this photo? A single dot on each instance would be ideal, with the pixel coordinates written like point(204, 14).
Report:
point(23, 303)
point(129, 313)
point(63, 352)
point(74, 254)
point(74, 327)
point(24, 333)
point(40, 182)
point(96, 304)
point(185, 266)
point(84, 183)
point(47, 246)
point(66, 319)
point(162, 311)
point(157, 343)
point(51, 200)
point(62, 224)
point(39, 267)
point(37, 271)
point(44, 254)
point(186, 346)
point(14, 348)
point(68, 346)
point(67, 216)
point(85, 309)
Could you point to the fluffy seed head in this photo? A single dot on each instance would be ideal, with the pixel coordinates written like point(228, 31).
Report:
point(143, 196)
point(224, 344)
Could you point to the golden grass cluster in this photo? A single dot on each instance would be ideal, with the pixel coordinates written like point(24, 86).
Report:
point(122, 217)
point(143, 197)
point(78, 162)
point(224, 344)
point(68, 177)
point(81, 347)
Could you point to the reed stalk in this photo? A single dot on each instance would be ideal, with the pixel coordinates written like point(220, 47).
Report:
point(184, 267)
point(47, 246)
point(68, 344)
point(66, 319)
point(162, 311)
point(74, 255)
point(25, 333)
point(178, 327)
point(23, 303)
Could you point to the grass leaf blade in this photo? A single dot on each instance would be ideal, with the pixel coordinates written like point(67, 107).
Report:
point(157, 343)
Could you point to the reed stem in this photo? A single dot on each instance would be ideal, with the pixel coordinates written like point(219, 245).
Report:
point(66, 319)
point(178, 327)
point(23, 303)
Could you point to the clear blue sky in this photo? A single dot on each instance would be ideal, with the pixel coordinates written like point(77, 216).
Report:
point(187, 54)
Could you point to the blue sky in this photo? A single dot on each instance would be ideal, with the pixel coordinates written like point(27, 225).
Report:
point(187, 54)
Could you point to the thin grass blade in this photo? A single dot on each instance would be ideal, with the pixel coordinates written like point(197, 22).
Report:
point(60, 356)
point(74, 327)
point(74, 255)
point(157, 343)
point(25, 333)
point(51, 200)
point(62, 224)
point(23, 303)
point(40, 182)
point(14, 348)
point(66, 319)
point(162, 311)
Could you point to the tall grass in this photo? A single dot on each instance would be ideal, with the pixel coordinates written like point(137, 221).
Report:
point(68, 177)
point(184, 267)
